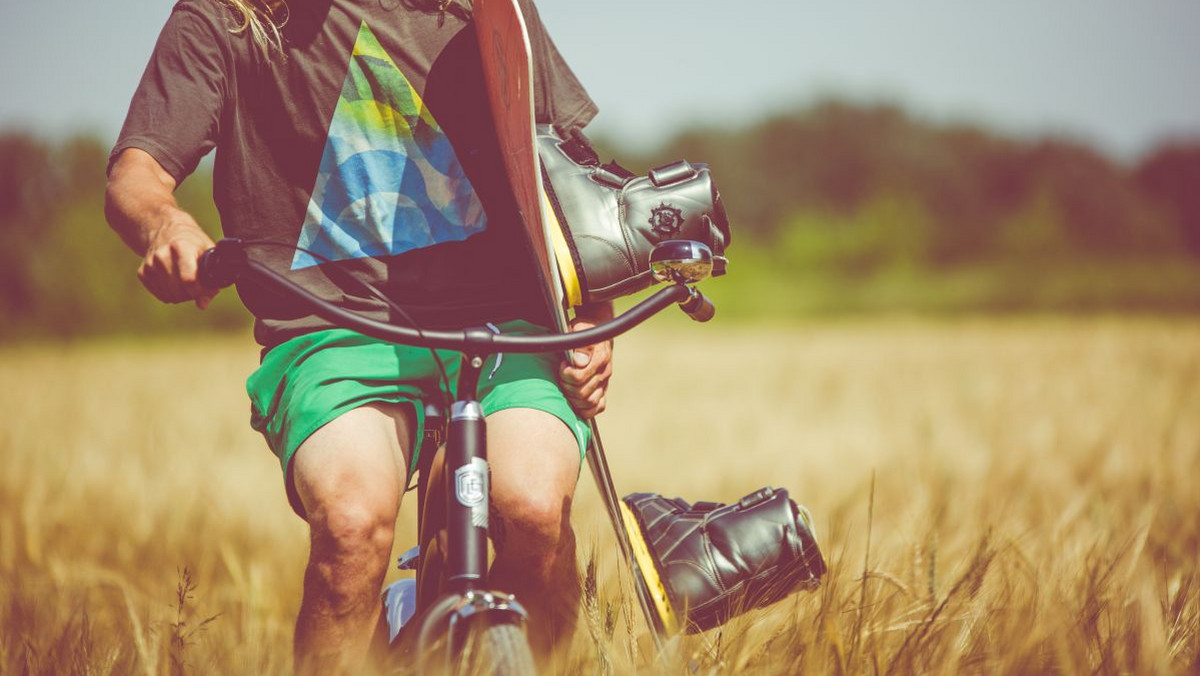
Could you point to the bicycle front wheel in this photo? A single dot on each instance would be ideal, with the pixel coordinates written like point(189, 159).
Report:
point(487, 640)
point(496, 649)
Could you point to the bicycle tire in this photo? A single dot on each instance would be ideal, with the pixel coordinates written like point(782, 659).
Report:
point(427, 651)
point(493, 646)
point(497, 649)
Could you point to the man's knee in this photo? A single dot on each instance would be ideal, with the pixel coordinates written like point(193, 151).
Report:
point(535, 525)
point(354, 527)
point(351, 547)
point(535, 465)
point(349, 478)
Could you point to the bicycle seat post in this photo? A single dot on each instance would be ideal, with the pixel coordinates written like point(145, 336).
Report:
point(467, 483)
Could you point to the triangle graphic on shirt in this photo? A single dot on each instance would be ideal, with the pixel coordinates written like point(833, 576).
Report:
point(389, 181)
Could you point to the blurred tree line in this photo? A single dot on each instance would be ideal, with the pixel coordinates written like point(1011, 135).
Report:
point(835, 207)
point(851, 208)
point(62, 270)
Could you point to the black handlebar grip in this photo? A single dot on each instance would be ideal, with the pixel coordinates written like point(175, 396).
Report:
point(223, 264)
point(698, 307)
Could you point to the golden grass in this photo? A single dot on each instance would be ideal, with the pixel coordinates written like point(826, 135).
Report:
point(993, 496)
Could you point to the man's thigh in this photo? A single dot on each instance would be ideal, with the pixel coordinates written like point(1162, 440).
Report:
point(534, 459)
point(358, 460)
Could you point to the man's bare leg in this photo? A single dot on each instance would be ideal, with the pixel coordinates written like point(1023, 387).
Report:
point(350, 477)
point(535, 465)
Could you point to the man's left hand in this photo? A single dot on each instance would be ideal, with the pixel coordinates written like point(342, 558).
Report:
point(585, 383)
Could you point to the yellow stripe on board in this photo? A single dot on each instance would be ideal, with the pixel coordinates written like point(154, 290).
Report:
point(562, 255)
point(641, 554)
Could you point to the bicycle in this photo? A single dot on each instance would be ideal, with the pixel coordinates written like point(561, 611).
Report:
point(459, 623)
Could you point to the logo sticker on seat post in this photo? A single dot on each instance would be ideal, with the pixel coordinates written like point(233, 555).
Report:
point(471, 490)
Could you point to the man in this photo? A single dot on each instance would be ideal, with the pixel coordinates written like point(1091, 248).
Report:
point(353, 143)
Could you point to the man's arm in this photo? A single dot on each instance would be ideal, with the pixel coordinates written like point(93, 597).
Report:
point(585, 383)
point(140, 205)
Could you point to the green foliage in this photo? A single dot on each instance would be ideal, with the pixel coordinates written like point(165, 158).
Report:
point(1034, 230)
point(27, 192)
point(1172, 176)
point(64, 272)
point(888, 231)
point(848, 209)
point(837, 159)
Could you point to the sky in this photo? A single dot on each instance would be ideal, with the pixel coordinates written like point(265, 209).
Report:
point(1123, 75)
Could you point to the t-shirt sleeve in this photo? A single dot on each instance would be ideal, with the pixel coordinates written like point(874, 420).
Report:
point(176, 110)
point(558, 97)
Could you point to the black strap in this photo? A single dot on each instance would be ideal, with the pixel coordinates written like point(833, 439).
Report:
point(625, 174)
point(577, 147)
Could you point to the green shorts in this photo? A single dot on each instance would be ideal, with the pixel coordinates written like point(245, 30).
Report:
point(309, 380)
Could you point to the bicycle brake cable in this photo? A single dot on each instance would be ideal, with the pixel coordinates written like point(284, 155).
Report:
point(444, 388)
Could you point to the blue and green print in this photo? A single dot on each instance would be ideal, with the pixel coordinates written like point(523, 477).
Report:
point(389, 180)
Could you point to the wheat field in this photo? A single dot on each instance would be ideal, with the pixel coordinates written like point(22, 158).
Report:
point(992, 495)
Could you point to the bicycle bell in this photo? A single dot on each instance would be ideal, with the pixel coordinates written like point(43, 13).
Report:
point(681, 260)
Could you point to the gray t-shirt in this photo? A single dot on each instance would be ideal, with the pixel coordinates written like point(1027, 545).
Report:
point(368, 143)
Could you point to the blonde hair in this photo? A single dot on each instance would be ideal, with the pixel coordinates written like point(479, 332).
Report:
point(263, 18)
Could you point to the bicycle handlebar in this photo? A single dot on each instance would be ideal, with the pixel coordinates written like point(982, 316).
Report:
point(227, 262)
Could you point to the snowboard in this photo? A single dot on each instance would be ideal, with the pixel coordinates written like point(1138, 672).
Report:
point(508, 74)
